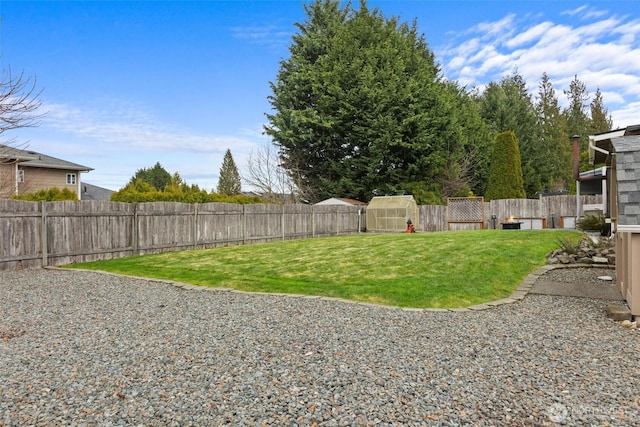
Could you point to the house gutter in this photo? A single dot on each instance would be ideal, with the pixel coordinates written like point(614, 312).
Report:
point(576, 161)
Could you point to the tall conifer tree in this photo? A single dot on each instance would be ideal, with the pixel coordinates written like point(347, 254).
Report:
point(360, 108)
point(229, 182)
point(505, 179)
point(554, 139)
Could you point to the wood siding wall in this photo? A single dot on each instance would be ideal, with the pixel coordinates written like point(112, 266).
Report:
point(36, 179)
point(33, 234)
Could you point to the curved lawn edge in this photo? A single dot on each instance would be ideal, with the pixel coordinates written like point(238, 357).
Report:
point(518, 295)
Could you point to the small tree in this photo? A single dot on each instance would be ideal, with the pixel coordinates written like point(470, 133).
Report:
point(229, 182)
point(505, 177)
point(157, 176)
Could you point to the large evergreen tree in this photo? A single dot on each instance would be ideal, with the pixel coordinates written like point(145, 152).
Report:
point(156, 176)
point(505, 179)
point(600, 120)
point(507, 105)
point(576, 115)
point(359, 108)
point(229, 182)
point(554, 139)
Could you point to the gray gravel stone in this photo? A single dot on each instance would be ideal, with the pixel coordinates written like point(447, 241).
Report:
point(586, 275)
point(83, 348)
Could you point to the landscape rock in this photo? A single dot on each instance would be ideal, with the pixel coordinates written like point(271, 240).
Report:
point(618, 313)
point(585, 252)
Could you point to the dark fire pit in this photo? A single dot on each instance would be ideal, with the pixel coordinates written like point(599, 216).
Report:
point(511, 225)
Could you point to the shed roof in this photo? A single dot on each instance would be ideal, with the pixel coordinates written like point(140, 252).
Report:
point(384, 202)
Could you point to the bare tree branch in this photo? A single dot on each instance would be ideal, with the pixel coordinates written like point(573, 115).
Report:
point(267, 175)
point(19, 101)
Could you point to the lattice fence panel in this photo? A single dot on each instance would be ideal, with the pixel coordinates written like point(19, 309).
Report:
point(465, 210)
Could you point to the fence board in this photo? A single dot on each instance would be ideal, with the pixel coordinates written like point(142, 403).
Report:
point(433, 218)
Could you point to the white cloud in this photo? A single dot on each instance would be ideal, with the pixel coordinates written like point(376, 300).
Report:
point(501, 29)
point(118, 138)
point(532, 34)
point(626, 115)
point(575, 11)
point(270, 35)
point(134, 128)
point(602, 49)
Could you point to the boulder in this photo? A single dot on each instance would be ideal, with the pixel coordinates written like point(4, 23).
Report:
point(618, 313)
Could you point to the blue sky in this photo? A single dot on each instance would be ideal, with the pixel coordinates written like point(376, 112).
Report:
point(129, 84)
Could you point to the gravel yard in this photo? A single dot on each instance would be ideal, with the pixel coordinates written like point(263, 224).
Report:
point(82, 348)
point(587, 276)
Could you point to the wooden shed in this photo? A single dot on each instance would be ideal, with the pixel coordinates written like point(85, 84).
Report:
point(391, 213)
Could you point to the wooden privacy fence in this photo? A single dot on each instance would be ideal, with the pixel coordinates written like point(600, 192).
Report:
point(550, 211)
point(34, 234)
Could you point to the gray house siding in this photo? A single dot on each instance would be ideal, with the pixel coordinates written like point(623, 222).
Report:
point(627, 152)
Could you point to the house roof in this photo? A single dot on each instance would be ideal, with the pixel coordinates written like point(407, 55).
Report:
point(93, 192)
point(38, 160)
point(600, 145)
point(8, 153)
point(341, 201)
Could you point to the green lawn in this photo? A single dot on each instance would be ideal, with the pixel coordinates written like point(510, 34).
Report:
point(446, 270)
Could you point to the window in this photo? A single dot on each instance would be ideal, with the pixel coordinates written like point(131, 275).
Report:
point(71, 178)
point(20, 176)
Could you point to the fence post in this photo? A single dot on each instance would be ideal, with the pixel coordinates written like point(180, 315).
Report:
point(195, 226)
point(282, 221)
point(135, 229)
point(43, 233)
point(244, 224)
point(337, 220)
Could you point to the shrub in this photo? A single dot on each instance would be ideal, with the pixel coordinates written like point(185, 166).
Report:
point(49, 195)
point(139, 192)
point(597, 222)
point(570, 245)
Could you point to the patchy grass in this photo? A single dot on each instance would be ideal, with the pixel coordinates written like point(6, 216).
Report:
point(438, 270)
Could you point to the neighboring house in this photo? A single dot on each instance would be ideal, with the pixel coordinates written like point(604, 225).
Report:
point(341, 202)
point(26, 171)
point(93, 192)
